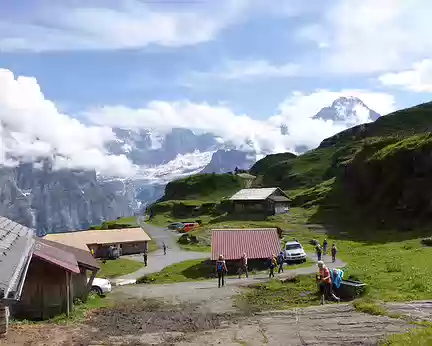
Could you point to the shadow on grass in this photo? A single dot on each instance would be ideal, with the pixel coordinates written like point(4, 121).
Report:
point(344, 219)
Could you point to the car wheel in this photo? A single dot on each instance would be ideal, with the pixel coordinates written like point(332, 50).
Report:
point(96, 290)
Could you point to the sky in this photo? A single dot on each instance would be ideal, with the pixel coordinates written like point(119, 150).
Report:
point(71, 70)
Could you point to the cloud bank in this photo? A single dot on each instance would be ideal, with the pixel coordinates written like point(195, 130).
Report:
point(32, 128)
point(265, 136)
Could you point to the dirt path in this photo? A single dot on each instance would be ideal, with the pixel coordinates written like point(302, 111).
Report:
point(157, 260)
point(205, 294)
point(141, 324)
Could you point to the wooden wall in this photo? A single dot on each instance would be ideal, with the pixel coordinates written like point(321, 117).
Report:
point(45, 293)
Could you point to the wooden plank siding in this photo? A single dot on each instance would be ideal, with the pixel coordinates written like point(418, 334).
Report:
point(47, 292)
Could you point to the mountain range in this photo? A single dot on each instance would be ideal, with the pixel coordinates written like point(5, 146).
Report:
point(53, 201)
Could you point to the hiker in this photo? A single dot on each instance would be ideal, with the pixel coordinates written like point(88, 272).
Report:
point(221, 270)
point(318, 252)
point(272, 263)
point(92, 252)
point(280, 262)
point(164, 248)
point(145, 257)
point(325, 246)
point(243, 266)
point(333, 252)
point(325, 283)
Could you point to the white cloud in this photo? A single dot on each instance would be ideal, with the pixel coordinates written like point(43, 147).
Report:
point(296, 112)
point(255, 69)
point(130, 24)
point(32, 128)
point(418, 78)
point(370, 36)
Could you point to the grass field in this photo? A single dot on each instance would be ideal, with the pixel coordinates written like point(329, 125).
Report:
point(193, 270)
point(114, 268)
point(421, 336)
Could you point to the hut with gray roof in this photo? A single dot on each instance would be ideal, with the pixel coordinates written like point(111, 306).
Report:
point(268, 201)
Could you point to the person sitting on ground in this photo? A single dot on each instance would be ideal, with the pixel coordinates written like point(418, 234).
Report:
point(221, 270)
point(325, 283)
point(280, 262)
point(243, 266)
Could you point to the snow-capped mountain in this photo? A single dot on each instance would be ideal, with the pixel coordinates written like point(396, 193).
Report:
point(53, 201)
point(348, 110)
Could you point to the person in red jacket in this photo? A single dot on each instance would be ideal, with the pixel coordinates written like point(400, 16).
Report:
point(325, 283)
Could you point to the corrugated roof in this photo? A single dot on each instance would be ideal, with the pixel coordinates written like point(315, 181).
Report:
point(81, 239)
point(253, 194)
point(279, 198)
point(83, 257)
point(56, 256)
point(256, 243)
point(246, 176)
point(16, 244)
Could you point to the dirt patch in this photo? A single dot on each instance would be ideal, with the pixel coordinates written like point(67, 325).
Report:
point(139, 317)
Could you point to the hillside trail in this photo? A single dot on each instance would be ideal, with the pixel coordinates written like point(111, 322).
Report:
point(156, 259)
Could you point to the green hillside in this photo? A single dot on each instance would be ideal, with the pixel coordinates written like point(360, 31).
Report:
point(203, 187)
point(373, 174)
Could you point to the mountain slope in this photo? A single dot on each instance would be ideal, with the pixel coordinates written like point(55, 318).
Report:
point(377, 170)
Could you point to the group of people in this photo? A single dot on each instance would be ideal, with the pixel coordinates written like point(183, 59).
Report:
point(323, 250)
point(327, 279)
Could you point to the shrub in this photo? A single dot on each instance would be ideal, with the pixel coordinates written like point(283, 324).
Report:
point(145, 280)
point(427, 241)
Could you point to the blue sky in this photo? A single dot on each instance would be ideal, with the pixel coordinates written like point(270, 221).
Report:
point(249, 58)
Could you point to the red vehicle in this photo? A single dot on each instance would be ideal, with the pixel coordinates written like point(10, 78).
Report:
point(189, 226)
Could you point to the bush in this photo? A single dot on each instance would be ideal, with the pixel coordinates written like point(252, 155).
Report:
point(145, 280)
point(427, 241)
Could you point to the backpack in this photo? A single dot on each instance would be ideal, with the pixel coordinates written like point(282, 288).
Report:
point(280, 259)
point(220, 266)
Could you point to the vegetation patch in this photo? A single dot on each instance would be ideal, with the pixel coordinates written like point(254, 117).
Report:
point(80, 313)
point(370, 307)
point(275, 295)
point(420, 336)
point(191, 270)
point(124, 222)
point(118, 267)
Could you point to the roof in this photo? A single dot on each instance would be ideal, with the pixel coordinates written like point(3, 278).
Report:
point(81, 239)
point(246, 176)
point(16, 245)
point(83, 257)
point(255, 194)
point(279, 198)
point(56, 256)
point(256, 243)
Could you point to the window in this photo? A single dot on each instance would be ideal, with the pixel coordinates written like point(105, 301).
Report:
point(293, 246)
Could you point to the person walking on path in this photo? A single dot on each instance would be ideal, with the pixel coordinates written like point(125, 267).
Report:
point(333, 252)
point(221, 270)
point(325, 283)
point(318, 252)
point(272, 265)
point(164, 248)
point(244, 266)
point(280, 262)
point(145, 257)
point(325, 246)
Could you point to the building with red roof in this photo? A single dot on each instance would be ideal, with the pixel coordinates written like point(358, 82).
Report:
point(257, 243)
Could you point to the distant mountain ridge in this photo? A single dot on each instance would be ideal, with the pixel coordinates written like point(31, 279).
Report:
point(53, 201)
